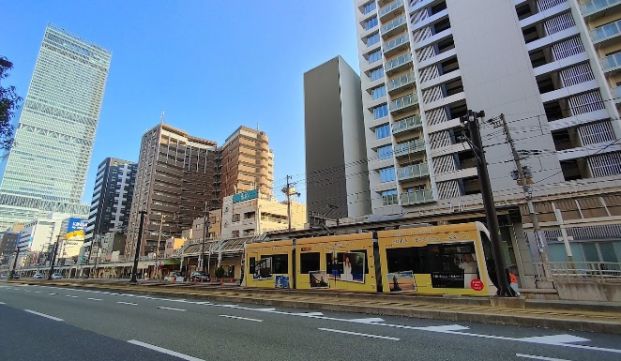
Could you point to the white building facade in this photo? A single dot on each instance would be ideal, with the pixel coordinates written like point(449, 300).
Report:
point(424, 63)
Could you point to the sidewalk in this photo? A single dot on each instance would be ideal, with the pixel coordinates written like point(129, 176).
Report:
point(563, 315)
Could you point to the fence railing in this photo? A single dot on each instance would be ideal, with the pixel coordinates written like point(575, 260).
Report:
point(581, 270)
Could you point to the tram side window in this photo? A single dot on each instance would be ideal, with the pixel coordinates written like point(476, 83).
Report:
point(280, 263)
point(450, 265)
point(309, 262)
point(349, 266)
point(251, 265)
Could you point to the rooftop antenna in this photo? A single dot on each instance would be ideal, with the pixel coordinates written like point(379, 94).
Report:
point(162, 117)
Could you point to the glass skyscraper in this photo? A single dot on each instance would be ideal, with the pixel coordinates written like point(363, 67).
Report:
point(46, 169)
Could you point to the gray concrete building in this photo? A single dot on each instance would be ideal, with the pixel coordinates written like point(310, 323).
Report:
point(112, 197)
point(336, 165)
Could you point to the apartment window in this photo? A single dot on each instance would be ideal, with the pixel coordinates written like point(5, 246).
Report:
point(376, 73)
point(374, 56)
point(378, 92)
point(368, 7)
point(236, 217)
point(380, 111)
point(382, 131)
point(384, 152)
point(387, 174)
point(370, 24)
point(389, 197)
point(372, 39)
point(235, 234)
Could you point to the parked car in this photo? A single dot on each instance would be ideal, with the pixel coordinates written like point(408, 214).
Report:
point(57, 276)
point(15, 275)
point(199, 276)
point(174, 277)
point(38, 276)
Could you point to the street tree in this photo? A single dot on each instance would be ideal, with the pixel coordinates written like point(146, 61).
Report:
point(9, 104)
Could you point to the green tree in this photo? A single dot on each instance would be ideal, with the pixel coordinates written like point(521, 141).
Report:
point(9, 104)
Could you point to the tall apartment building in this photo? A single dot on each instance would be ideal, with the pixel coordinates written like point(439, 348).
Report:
point(174, 183)
point(246, 162)
point(337, 182)
point(46, 170)
point(112, 197)
point(548, 65)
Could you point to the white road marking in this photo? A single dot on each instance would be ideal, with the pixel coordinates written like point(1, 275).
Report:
point(43, 315)
point(359, 334)
point(555, 339)
point(535, 357)
point(37, 291)
point(52, 294)
point(265, 309)
point(94, 299)
point(241, 318)
point(369, 321)
point(444, 328)
point(165, 351)
point(72, 296)
point(303, 314)
point(2, 303)
point(126, 303)
point(171, 308)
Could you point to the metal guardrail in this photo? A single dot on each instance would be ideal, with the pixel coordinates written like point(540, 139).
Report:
point(582, 270)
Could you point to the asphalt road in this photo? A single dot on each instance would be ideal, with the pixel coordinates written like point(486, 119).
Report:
point(48, 323)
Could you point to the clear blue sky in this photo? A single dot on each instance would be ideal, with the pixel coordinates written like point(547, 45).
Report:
point(210, 65)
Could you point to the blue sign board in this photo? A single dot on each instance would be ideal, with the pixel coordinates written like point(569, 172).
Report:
point(245, 196)
point(76, 224)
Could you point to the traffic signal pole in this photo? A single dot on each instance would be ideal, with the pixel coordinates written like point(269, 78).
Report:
point(471, 122)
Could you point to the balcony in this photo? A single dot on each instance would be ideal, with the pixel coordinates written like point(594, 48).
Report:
point(409, 123)
point(415, 171)
point(592, 7)
point(388, 9)
point(390, 200)
point(403, 103)
point(396, 23)
point(616, 93)
point(611, 62)
point(396, 43)
point(398, 62)
point(416, 197)
point(401, 81)
point(410, 147)
point(606, 32)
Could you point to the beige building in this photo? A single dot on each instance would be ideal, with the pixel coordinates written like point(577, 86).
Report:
point(252, 213)
point(246, 163)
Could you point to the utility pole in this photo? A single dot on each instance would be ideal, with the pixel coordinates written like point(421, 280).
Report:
point(524, 178)
point(54, 251)
point(137, 254)
point(471, 122)
point(287, 190)
point(14, 262)
point(201, 260)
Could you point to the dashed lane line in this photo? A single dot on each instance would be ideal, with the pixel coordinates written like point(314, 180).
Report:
point(535, 357)
point(359, 334)
point(171, 308)
point(44, 315)
point(164, 350)
point(94, 299)
point(241, 318)
point(126, 303)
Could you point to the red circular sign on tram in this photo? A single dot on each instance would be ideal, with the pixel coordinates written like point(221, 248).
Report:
point(476, 284)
